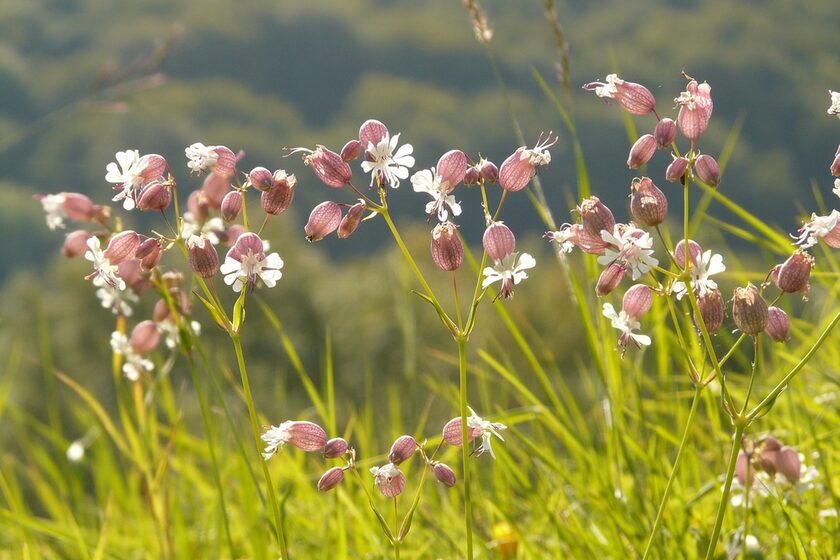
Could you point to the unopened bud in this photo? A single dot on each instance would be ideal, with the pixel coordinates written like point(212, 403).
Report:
point(335, 448)
point(78, 207)
point(279, 197)
point(707, 170)
point(154, 196)
point(778, 325)
point(215, 187)
point(149, 252)
point(447, 251)
point(595, 216)
point(144, 337)
point(351, 220)
point(261, 179)
point(793, 275)
point(712, 310)
point(610, 278)
point(231, 205)
point(402, 449)
point(351, 150)
point(749, 310)
point(498, 241)
point(323, 220)
point(331, 479)
point(516, 172)
point(637, 300)
point(648, 203)
point(676, 171)
point(642, 151)
point(329, 167)
point(122, 246)
point(307, 436)
point(371, 132)
point(444, 474)
point(203, 258)
point(788, 463)
point(472, 176)
point(694, 252)
point(489, 172)
point(75, 244)
point(665, 132)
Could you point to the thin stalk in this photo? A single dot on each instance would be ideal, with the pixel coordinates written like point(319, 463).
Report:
point(396, 528)
point(698, 389)
point(727, 486)
point(465, 455)
point(746, 520)
point(246, 386)
point(752, 375)
point(457, 301)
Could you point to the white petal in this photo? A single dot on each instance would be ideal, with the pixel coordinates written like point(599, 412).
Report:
point(525, 261)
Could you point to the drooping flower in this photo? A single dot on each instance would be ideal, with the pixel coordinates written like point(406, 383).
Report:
point(834, 108)
point(695, 109)
point(521, 166)
point(134, 365)
point(476, 427)
point(509, 271)
point(701, 271)
point(130, 173)
point(626, 325)
point(630, 246)
point(439, 182)
point(53, 205)
point(389, 480)
point(386, 164)
point(104, 273)
point(246, 262)
point(218, 159)
point(306, 436)
point(570, 236)
point(634, 98)
point(819, 227)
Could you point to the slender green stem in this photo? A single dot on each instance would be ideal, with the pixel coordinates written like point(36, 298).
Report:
point(465, 453)
point(746, 520)
point(246, 386)
point(457, 301)
point(396, 529)
point(698, 389)
point(727, 486)
point(752, 374)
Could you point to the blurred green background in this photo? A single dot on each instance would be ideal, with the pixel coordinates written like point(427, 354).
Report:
point(264, 75)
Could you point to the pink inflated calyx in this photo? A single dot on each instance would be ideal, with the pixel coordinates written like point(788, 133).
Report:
point(331, 479)
point(451, 167)
point(75, 244)
point(202, 256)
point(676, 170)
point(778, 325)
point(78, 207)
point(306, 436)
point(402, 449)
point(144, 337)
point(498, 241)
point(635, 98)
point(637, 300)
point(335, 448)
point(749, 310)
point(521, 166)
point(793, 275)
point(149, 253)
point(351, 150)
point(648, 203)
point(444, 474)
point(695, 109)
point(329, 167)
point(215, 187)
point(595, 216)
point(122, 246)
point(323, 220)
point(261, 178)
point(351, 220)
point(665, 132)
point(447, 250)
point(610, 278)
point(452, 433)
point(231, 206)
point(694, 252)
point(155, 196)
point(371, 132)
point(641, 152)
point(279, 197)
point(707, 170)
point(712, 310)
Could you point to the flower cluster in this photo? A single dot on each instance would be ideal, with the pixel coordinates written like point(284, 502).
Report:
point(768, 467)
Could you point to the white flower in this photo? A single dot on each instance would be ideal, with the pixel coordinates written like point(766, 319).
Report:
point(275, 437)
point(172, 335)
point(201, 157)
point(127, 174)
point(836, 190)
point(486, 430)
point(509, 271)
point(630, 246)
point(118, 301)
point(539, 154)
point(818, 226)
point(834, 109)
point(385, 474)
point(626, 325)
point(707, 265)
point(563, 239)
point(104, 273)
point(211, 228)
point(608, 89)
point(54, 208)
point(134, 365)
point(76, 451)
point(246, 262)
point(429, 182)
point(388, 166)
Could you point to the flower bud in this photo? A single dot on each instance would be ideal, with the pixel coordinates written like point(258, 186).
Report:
point(335, 448)
point(648, 204)
point(498, 241)
point(279, 197)
point(792, 276)
point(835, 164)
point(323, 220)
point(402, 449)
point(489, 172)
point(749, 310)
point(122, 246)
point(610, 278)
point(451, 167)
point(75, 244)
point(676, 171)
point(642, 151)
point(444, 474)
point(133, 276)
point(788, 463)
point(351, 220)
point(516, 172)
point(452, 432)
point(351, 150)
point(371, 132)
point(203, 258)
point(665, 132)
point(144, 337)
point(472, 176)
point(331, 479)
point(694, 252)
point(447, 251)
point(712, 310)
point(637, 300)
point(78, 207)
point(595, 216)
point(261, 179)
point(154, 196)
point(231, 205)
point(329, 167)
point(215, 187)
point(149, 252)
point(307, 436)
point(707, 170)
point(778, 325)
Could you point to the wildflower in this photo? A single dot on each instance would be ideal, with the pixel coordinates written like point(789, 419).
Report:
point(836, 189)
point(402, 449)
point(335, 448)
point(695, 109)
point(446, 248)
point(610, 278)
point(118, 301)
point(694, 252)
point(130, 173)
point(641, 152)
point(351, 150)
point(637, 300)
point(631, 246)
point(144, 337)
point(277, 198)
point(351, 220)
point(626, 325)
point(595, 216)
point(440, 181)
point(834, 108)
point(664, 133)
point(712, 310)
point(323, 220)
point(703, 268)
point(53, 205)
point(820, 227)
point(122, 246)
point(219, 159)
point(792, 275)
point(749, 310)
point(634, 98)
point(328, 166)
point(154, 196)
point(521, 166)
point(676, 170)
point(707, 170)
point(214, 188)
point(75, 243)
point(444, 474)
point(385, 163)
point(172, 334)
point(476, 427)
point(564, 238)
point(231, 206)
point(246, 262)
point(778, 325)
point(134, 365)
point(331, 479)
point(61, 206)
point(488, 171)
point(498, 241)
point(389, 479)
point(104, 273)
point(509, 271)
point(306, 436)
point(213, 228)
point(648, 203)
point(570, 236)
